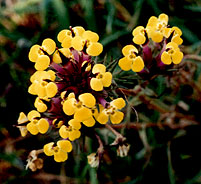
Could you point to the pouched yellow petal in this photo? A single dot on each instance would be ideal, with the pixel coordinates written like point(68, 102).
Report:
point(41, 89)
point(87, 99)
point(152, 21)
point(75, 134)
point(128, 49)
point(139, 39)
point(157, 36)
point(177, 57)
point(102, 118)
point(43, 125)
point(82, 114)
point(89, 122)
point(138, 64)
point(56, 57)
point(68, 107)
point(166, 58)
point(66, 43)
point(125, 63)
point(172, 45)
point(117, 117)
point(177, 39)
point(60, 156)
point(96, 84)
point(51, 89)
point(107, 79)
point(62, 35)
point(119, 103)
point(77, 43)
point(63, 132)
point(33, 114)
point(138, 30)
point(49, 45)
point(51, 75)
point(40, 106)
point(98, 68)
point(42, 63)
point(47, 148)
point(33, 53)
point(78, 30)
point(65, 145)
point(89, 35)
point(94, 49)
point(163, 17)
point(75, 124)
point(32, 128)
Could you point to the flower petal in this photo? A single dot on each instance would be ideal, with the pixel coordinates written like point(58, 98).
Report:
point(43, 125)
point(138, 64)
point(94, 49)
point(87, 99)
point(117, 117)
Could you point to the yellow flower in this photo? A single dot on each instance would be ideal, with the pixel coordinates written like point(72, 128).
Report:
point(155, 27)
point(65, 36)
point(112, 112)
point(21, 120)
point(40, 106)
point(60, 151)
point(103, 78)
point(72, 131)
point(36, 124)
point(40, 54)
point(40, 86)
point(172, 54)
point(130, 60)
point(139, 35)
point(90, 40)
point(81, 108)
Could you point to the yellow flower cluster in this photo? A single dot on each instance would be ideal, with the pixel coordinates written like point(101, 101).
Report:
point(70, 90)
point(157, 30)
point(78, 38)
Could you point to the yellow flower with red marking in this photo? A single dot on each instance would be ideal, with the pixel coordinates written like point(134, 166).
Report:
point(40, 54)
point(172, 54)
point(59, 151)
point(37, 124)
point(111, 112)
point(103, 78)
point(42, 84)
point(131, 60)
point(81, 108)
point(71, 131)
point(155, 27)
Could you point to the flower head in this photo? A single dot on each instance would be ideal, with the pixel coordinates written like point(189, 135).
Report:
point(40, 54)
point(130, 59)
point(111, 112)
point(60, 151)
point(171, 54)
point(71, 131)
point(155, 27)
point(102, 79)
point(37, 124)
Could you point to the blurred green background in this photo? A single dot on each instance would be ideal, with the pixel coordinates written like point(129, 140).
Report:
point(158, 154)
